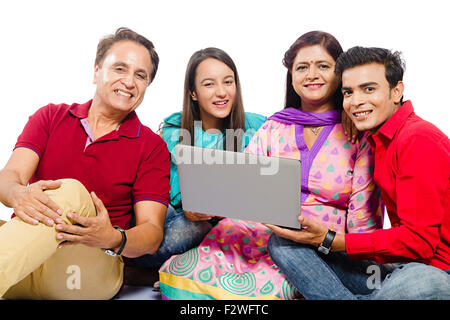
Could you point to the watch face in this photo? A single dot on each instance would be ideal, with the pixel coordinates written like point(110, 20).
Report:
point(323, 250)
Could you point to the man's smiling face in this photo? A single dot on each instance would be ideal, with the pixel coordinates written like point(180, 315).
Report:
point(368, 99)
point(123, 76)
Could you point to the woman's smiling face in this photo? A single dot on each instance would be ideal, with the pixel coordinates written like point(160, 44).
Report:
point(313, 78)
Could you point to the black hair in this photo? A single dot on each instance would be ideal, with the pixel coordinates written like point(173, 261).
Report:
point(356, 56)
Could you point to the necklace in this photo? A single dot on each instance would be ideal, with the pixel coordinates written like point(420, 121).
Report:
point(315, 130)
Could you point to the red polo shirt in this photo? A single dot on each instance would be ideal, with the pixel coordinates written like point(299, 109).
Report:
point(123, 167)
point(412, 169)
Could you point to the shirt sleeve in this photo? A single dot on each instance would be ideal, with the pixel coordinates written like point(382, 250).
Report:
point(152, 178)
point(422, 174)
point(36, 131)
point(364, 206)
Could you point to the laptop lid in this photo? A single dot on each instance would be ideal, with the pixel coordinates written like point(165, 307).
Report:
point(240, 185)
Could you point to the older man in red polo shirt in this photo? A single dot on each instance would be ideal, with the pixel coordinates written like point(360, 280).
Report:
point(411, 260)
point(75, 178)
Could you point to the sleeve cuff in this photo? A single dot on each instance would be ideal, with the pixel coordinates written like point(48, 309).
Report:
point(31, 147)
point(165, 202)
point(360, 244)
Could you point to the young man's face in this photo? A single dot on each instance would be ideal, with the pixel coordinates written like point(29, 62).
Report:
point(368, 99)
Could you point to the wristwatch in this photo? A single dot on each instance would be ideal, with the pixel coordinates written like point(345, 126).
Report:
point(122, 244)
point(326, 244)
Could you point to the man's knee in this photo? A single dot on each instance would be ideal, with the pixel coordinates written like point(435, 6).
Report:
point(432, 283)
point(419, 281)
point(72, 186)
point(72, 196)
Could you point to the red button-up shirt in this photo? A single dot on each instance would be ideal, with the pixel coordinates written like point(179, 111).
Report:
point(412, 169)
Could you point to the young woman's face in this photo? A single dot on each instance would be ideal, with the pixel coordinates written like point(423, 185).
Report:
point(215, 91)
point(313, 78)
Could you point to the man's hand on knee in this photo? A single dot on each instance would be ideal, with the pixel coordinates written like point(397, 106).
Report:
point(91, 231)
point(32, 205)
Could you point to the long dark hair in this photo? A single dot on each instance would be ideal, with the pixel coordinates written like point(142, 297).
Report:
point(327, 41)
point(191, 112)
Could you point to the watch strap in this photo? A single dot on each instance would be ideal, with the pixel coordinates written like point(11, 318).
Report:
point(122, 244)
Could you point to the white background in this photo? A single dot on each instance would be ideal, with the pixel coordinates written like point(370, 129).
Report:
point(48, 48)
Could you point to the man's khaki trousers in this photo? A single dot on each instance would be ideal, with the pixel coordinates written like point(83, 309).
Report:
point(31, 266)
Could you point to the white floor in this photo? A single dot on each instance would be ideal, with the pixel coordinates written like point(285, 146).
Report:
point(139, 293)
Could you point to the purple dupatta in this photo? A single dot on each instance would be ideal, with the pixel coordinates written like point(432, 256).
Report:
point(300, 118)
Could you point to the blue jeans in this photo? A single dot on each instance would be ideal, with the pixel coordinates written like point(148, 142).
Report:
point(336, 276)
point(180, 235)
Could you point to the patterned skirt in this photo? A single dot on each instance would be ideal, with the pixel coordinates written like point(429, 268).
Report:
point(231, 262)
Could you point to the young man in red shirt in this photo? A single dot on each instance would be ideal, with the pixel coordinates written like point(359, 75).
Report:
point(411, 260)
point(77, 176)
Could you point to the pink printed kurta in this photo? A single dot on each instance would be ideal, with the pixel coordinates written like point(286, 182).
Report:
point(337, 190)
point(337, 187)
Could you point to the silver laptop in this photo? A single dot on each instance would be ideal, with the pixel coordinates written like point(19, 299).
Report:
point(239, 185)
